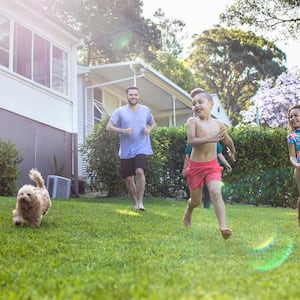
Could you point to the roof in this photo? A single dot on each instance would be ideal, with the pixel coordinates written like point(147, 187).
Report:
point(218, 111)
point(156, 91)
point(34, 6)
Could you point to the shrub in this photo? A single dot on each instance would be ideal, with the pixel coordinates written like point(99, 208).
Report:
point(257, 150)
point(9, 158)
point(164, 176)
point(272, 187)
point(100, 152)
point(262, 173)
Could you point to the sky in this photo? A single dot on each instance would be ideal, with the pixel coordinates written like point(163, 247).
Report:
point(199, 16)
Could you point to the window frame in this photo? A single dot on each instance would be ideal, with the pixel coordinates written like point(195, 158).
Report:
point(8, 32)
point(64, 80)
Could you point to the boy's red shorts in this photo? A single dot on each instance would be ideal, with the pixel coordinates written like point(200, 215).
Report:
point(198, 174)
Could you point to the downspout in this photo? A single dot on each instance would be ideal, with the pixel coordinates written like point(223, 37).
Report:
point(174, 111)
point(85, 111)
point(73, 91)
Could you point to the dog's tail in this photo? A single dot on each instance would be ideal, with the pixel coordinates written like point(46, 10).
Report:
point(36, 176)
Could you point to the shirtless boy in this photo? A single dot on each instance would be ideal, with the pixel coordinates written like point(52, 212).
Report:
point(203, 133)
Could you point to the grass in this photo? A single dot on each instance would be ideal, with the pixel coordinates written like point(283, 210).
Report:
point(102, 249)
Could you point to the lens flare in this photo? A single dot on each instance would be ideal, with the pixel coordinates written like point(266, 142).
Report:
point(128, 212)
point(267, 244)
point(121, 41)
point(271, 253)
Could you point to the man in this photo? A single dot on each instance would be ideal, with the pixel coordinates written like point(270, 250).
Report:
point(134, 123)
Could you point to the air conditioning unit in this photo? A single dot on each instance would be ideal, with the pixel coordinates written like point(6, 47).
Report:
point(58, 187)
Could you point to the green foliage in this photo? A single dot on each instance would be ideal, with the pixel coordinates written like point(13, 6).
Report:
point(281, 16)
point(258, 150)
point(9, 158)
point(273, 187)
point(114, 30)
point(175, 70)
point(172, 35)
point(92, 249)
point(231, 63)
point(101, 155)
point(262, 173)
point(163, 172)
point(164, 176)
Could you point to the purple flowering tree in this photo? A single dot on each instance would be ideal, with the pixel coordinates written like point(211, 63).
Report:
point(271, 102)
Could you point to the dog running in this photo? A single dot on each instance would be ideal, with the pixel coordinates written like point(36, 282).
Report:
point(33, 202)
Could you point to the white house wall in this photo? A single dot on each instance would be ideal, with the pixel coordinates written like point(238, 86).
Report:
point(26, 93)
point(35, 103)
point(80, 111)
point(44, 121)
point(81, 122)
point(111, 101)
point(90, 113)
point(85, 117)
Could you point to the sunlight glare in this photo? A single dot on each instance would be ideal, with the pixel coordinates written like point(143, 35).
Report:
point(121, 42)
point(271, 253)
point(128, 212)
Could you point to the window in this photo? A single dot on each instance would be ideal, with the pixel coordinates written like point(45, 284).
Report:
point(4, 41)
point(100, 111)
point(22, 51)
point(41, 61)
point(98, 95)
point(34, 57)
point(59, 70)
point(97, 113)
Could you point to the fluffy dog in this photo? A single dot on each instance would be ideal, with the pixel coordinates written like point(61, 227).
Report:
point(32, 202)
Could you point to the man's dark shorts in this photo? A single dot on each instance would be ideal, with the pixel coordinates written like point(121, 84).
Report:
point(128, 166)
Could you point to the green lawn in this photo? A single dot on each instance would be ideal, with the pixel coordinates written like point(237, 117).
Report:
point(102, 249)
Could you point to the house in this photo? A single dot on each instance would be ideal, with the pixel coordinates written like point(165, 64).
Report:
point(49, 104)
point(101, 89)
point(38, 83)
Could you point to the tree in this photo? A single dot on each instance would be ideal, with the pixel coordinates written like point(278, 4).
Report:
point(175, 70)
point(267, 16)
point(172, 33)
point(166, 60)
point(115, 30)
point(230, 63)
point(273, 99)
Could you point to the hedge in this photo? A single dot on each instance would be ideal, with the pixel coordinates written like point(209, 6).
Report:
point(262, 173)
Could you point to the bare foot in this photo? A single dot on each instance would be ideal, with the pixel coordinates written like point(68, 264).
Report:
point(226, 233)
point(141, 207)
point(187, 218)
